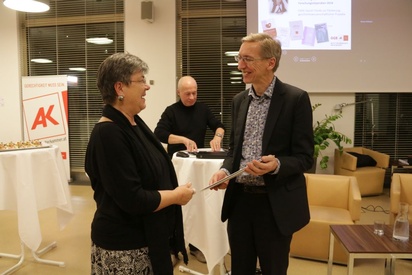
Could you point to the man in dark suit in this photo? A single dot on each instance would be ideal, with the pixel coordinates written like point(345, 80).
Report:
point(272, 137)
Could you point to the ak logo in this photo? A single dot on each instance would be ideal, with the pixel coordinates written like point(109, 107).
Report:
point(44, 116)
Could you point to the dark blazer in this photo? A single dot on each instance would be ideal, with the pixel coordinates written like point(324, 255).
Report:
point(288, 135)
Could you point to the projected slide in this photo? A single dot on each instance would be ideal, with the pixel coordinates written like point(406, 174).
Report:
point(307, 24)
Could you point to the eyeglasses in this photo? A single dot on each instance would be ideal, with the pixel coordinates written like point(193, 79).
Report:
point(247, 59)
point(143, 81)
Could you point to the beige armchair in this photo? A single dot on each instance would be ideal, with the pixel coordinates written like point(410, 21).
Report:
point(332, 200)
point(370, 178)
point(401, 191)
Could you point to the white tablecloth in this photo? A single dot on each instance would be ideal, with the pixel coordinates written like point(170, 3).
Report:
point(32, 180)
point(201, 216)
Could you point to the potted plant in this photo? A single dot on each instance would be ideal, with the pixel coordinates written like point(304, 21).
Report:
point(324, 132)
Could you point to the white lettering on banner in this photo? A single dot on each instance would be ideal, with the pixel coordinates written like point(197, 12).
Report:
point(44, 117)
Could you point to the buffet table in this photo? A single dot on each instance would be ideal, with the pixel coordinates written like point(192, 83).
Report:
point(201, 216)
point(32, 180)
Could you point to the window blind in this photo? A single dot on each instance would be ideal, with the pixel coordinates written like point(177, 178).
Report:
point(59, 35)
point(208, 34)
point(384, 124)
point(207, 31)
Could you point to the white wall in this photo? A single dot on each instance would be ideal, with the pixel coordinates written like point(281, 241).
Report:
point(344, 125)
point(10, 116)
point(155, 43)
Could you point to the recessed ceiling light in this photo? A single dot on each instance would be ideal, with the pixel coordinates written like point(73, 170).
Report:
point(78, 69)
point(72, 79)
point(99, 40)
point(41, 60)
point(231, 53)
point(28, 5)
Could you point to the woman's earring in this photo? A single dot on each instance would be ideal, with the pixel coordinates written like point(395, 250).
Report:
point(120, 98)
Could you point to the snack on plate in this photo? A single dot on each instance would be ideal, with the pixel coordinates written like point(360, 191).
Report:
point(20, 145)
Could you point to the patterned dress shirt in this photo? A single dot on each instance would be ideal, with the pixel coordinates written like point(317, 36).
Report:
point(255, 125)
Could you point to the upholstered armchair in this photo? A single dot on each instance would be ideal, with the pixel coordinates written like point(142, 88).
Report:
point(401, 191)
point(368, 166)
point(332, 200)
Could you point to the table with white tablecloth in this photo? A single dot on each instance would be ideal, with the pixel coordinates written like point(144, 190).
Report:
point(32, 180)
point(201, 216)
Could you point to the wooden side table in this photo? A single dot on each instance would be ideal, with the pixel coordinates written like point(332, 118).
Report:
point(360, 243)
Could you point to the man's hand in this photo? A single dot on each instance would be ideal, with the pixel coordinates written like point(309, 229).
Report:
point(260, 167)
point(215, 143)
point(191, 146)
point(218, 176)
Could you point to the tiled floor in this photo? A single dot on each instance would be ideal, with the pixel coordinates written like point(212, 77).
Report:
point(73, 243)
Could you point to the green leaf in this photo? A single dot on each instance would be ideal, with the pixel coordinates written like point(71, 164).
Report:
point(323, 132)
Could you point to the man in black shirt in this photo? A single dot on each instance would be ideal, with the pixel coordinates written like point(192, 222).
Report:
point(183, 126)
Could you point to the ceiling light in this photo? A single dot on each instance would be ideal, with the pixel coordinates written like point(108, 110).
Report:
point(28, 5)
point(99, 40)
point(235, 72)
point(77, 69)
point(41, 60)
point(72, 79)
point(231, 53)
point(232, 64)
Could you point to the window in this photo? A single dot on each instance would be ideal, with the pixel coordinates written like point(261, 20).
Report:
point(208, 31)
point(384, 123)
point(60, 36)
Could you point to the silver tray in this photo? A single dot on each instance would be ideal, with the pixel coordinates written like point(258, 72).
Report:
point(26, 148)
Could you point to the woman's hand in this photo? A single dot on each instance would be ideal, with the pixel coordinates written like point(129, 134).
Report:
point(184, 193)
point(181, 195)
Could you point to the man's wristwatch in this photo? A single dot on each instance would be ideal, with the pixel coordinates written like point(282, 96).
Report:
point(219, 135)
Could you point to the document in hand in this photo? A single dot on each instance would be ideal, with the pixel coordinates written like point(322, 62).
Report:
point(219, 182)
